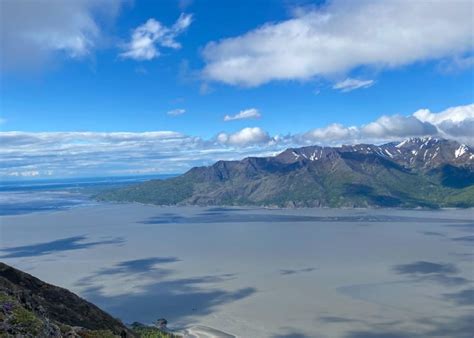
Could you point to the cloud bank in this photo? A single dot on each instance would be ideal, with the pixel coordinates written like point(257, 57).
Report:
point(28, 154)
point(340, 36)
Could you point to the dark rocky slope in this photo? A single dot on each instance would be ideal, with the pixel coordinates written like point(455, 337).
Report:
point(35, 308)
point(30, 307)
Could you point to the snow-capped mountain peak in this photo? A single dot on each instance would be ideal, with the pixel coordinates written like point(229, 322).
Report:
point(424, 152)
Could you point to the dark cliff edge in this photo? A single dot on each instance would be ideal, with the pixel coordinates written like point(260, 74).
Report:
point(30, 307)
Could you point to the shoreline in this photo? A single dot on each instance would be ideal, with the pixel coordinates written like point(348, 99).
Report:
point(262, 207)
point(202, 331)
point(96, 203)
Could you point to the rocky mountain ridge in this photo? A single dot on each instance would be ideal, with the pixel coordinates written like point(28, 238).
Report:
point(417, 172)
point(421, 153)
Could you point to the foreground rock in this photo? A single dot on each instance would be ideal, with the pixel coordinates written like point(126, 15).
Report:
point(30, 307)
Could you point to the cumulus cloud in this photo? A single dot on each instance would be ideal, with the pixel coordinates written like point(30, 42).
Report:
point(244, 137)
point(251, 113)
point(453, 123)
point(340, 36)
point(461, 130)
point(152, 34)
point(454, 114)
point(176, 112)
point(457, 122)
point(333, 132)
point(351, 84)
point(398, 126)
point(32, 32)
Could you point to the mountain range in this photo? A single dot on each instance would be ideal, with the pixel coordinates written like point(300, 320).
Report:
point(417, 172)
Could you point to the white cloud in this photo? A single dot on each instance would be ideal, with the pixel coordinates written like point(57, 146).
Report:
point(251, 113)
point(463, 131)
point(351, 84)
point(455, 122)
point(152, 34)
point(32, 32)
point(176, 112)
point(340, 36)
point(333, 132)
point(454, 114)
point(245, 137)
point(397, 126)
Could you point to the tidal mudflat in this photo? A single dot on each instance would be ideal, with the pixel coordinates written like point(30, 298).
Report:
point(259, 272)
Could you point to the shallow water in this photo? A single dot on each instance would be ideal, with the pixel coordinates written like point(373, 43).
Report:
point(259, 272)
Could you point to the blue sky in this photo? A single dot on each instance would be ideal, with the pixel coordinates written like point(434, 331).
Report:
point(298, 72)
